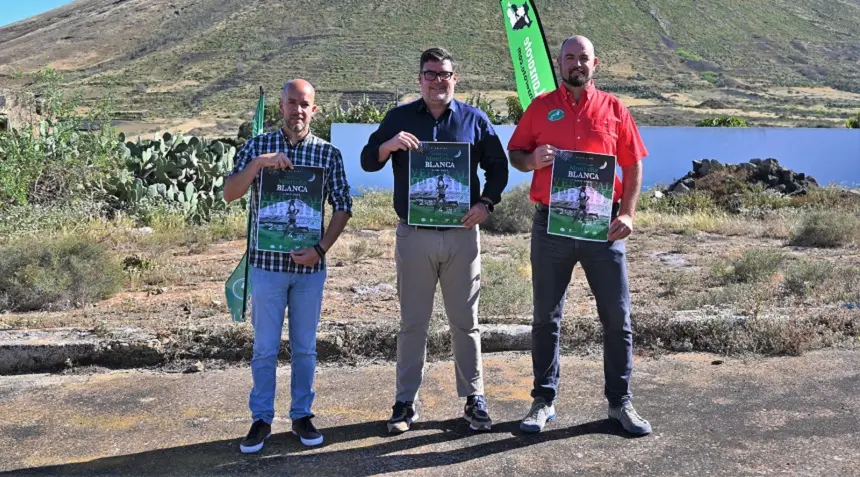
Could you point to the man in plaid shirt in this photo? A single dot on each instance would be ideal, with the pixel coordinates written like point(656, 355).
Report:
point(292, 280)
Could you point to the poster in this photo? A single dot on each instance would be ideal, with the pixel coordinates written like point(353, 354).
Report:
point(580, 204)
point(439, 184)
point(289, 208)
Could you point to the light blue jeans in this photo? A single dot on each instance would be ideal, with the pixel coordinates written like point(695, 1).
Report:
point(271, 294)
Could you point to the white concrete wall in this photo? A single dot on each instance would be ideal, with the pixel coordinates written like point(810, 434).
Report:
point(829, 155)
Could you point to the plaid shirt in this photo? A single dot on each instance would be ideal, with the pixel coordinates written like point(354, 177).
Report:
point(310, 151)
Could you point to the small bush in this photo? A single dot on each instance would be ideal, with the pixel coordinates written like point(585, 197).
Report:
point(710, 77)
point(515, 109)
point(723, 122)
point(693, 202)
point(506, 290)
point(803, 277)
point(56, 274)
point(486, 105)
point(363, 250)
point(755, 265)
point(853, 122)
point(514, 213)
point(372, 209)
point(365, 111)
point(826, 229)
point(687, 55)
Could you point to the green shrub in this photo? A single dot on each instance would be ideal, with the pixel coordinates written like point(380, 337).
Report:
point(853, 122)
point(365, 111)
point(61, 162)
point(803, 277)
point(514, 213)
point(826, 228)
point(755, 265)
point(486, 105)
point(56, 273)
point(723, 122)
point(695, 201)
point(710, 77)
point(515, 109)
point(687, 55)
point(506, 290)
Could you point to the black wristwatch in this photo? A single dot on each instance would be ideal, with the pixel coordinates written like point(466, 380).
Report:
point(488, 204)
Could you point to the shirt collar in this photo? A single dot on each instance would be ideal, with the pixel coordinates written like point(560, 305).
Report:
point(587, 92)
point(452, 106)
point(301, 141)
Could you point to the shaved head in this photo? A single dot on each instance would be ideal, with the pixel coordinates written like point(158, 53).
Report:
point(580, 41)
point(576, 61)
point(298, 105)
point(298, 85)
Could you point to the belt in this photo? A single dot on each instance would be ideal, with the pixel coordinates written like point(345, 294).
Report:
point(428, 227)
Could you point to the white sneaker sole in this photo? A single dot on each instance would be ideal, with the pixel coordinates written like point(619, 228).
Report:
point(256, 448)
point(310, 442)
point(393, 430)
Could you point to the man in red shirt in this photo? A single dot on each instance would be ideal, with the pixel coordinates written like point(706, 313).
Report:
point(579, 117)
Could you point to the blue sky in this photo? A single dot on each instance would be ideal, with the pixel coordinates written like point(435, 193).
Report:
point(13, 10)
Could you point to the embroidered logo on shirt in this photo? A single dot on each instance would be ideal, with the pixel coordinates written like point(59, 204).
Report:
point(555, 115)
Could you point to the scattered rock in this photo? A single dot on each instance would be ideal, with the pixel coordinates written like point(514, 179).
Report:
point(195, 368)
point(377, 289)
point(766, 172)
point(717, 362)
point(678, 188)
point(682, 346)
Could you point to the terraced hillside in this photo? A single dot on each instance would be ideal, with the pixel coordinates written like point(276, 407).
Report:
point(673, 61)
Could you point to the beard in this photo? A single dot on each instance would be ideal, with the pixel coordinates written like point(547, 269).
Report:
point(297, 127)
point(577, 79)
point(440, 95)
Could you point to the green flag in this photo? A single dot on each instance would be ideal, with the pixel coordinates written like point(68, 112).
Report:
point(238, 286)
point(533, 68)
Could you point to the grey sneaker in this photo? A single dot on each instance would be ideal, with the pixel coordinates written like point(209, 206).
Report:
point(538, 416)
point(630, 420)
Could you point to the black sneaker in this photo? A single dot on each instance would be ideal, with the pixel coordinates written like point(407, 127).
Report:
point(304, 428)
point(403, 416)
point(476, 413)
point(260, 431)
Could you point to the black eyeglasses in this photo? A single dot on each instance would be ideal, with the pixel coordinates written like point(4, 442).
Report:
point(442, 75)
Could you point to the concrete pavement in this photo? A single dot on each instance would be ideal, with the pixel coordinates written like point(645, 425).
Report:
point(777, 416)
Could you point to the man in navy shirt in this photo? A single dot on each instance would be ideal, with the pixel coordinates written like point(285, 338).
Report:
point(449, 256)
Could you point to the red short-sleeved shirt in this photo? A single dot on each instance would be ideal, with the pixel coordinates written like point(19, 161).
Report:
point(598, 123)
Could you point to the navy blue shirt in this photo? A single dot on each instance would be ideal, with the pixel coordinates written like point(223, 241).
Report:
point(459, 123)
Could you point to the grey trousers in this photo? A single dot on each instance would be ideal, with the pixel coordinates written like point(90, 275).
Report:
point(452, 258)
point(605, 267)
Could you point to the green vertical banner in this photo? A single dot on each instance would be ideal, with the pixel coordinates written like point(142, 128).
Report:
point(533, 67)
point(238, 286)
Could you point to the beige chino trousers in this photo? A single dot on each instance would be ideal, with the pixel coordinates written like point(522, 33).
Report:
point(452, 258)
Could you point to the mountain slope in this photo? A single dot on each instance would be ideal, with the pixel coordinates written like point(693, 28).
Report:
point(181, 57)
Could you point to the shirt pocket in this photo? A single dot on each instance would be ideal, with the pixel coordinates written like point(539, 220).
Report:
point(604, 130)
point(605, 125)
